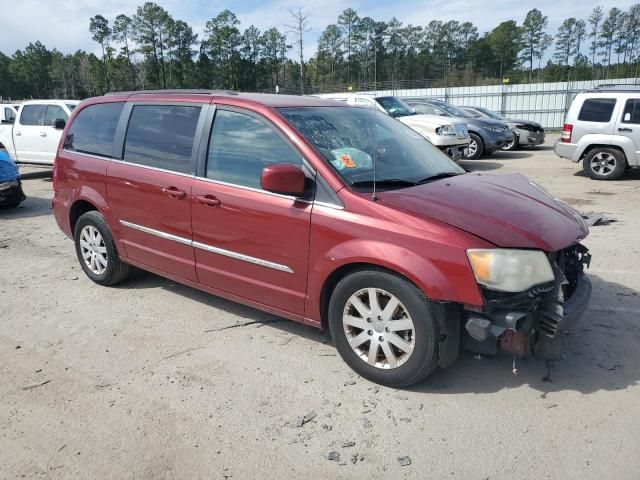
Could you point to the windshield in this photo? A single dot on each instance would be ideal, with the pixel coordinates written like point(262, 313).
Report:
point(455, 111)
point(490, 114)
point(395, 107)
point(350, 138)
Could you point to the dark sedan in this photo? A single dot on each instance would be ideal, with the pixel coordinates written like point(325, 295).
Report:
point(525, 132)
point(487, 135)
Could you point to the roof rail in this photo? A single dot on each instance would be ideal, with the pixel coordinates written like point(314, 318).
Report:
point(617, 87)
point(183, 91)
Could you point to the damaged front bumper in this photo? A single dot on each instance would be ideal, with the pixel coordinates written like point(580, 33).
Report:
point(532, 322)
point(11, 193)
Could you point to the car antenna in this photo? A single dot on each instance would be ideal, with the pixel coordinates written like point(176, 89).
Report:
point(375, 151)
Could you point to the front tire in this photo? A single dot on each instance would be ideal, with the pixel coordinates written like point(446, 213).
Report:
point(513, 144)
point(96, 250)
point(476, 147)
point(384, 328)
point(604, 164)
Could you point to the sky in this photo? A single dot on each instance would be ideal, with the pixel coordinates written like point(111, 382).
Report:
point(64, 24)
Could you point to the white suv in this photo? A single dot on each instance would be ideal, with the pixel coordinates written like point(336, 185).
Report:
point(447, 134)
point(602, 129)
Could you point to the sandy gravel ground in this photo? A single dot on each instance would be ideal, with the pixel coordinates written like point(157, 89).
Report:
point(145, 380)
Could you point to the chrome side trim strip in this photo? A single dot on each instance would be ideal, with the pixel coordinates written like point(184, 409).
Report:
point(209, 248)
point(157, 233)
point(244, 258)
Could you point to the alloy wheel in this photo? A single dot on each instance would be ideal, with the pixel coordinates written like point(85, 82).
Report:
point(379, 328)
point(473, 148)
point(93, 249)
point(603, 163)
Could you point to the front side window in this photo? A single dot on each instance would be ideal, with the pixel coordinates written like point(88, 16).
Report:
point(241, 145)
point(54, 112)
point(71, 106)
point(32, 114)
point(597, 110)
point(352, 139)
point(93, 129)
point(162, 136)
point(9, 114)
point(631, 111)
point(395, 107)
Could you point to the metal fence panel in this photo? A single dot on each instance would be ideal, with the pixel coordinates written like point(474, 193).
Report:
point(545, 103)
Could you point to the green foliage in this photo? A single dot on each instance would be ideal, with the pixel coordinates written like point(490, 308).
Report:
point(151, 49)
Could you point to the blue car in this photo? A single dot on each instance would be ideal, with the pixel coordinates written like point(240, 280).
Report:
point(11, 194)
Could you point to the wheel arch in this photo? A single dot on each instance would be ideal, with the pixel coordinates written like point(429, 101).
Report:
point(447, 314)
point(420, 271)
point(595, 146)
point(79, 208)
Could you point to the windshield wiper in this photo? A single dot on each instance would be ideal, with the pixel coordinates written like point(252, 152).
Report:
point(385, 182)
point(438, 176)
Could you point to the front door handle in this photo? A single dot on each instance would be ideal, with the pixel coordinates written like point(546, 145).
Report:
point(43, 134)
point(208, 200)
point(625, 130)
point(174, 192)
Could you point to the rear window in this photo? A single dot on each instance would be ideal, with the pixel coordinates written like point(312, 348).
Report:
point(631, 111)
point(32, 115)
point(597, 110)
point(161, 136)
point(93, 129)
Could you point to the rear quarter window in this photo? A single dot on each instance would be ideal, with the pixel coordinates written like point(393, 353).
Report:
point(597, 110)
point(93, 129)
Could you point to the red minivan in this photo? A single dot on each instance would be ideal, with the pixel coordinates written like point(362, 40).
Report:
point(327, 214)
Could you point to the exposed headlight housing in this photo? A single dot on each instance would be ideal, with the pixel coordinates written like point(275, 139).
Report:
point(446, 130)
point(496, 129)
point(510, 270)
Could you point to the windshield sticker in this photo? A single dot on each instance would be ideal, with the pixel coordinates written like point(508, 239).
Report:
point(347, 161)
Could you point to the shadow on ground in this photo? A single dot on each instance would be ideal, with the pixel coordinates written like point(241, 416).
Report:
point(31, 207)
point(145, 280)
point(44, 175)
point(600, 352)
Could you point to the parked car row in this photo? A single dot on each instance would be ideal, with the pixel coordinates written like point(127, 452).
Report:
point(333, 216)
point(460, 132)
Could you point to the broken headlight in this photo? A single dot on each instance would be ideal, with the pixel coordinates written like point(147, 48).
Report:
point(509, 270)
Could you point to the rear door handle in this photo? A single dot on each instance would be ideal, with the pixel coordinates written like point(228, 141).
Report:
point(174, 192)
point(208, 200)
point(43, 134)
point(18, 134)
point(625, 130)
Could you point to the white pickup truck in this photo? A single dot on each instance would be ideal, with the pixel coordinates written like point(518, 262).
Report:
point(33, 136)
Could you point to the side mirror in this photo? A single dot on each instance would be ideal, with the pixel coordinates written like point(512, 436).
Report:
point(59, 123)
point(394, 112)
point(283, 178)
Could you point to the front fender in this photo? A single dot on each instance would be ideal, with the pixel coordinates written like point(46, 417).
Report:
point(428, 274)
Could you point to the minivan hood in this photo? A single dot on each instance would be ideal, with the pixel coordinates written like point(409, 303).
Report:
point(507, 210)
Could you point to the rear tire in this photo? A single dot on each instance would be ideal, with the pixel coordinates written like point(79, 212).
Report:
point(96, 250)
point(395, 346)
point(476, 147)
point(604, 164)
